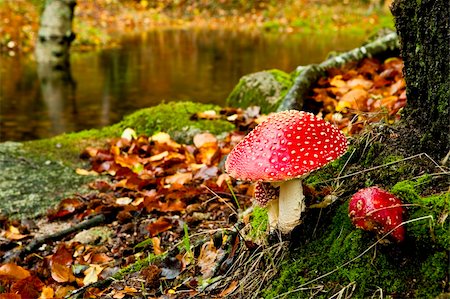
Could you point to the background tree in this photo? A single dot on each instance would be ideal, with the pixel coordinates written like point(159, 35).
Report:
point(55, 33)
point(423, 29)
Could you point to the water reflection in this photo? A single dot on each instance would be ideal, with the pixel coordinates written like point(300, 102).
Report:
point(146, 70)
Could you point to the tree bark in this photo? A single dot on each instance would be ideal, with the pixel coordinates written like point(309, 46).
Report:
point(423, 29)
point(55, 33)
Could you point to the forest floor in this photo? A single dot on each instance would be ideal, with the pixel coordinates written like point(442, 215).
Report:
point(98, 23)
point(161, 219)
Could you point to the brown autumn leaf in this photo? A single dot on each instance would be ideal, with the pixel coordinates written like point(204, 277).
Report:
point(207, 259)
point(11, 271)
point(100, 258)
point(208, 148)
point(10, 296)
point(159, 226)
point(66, 207)
point(156, 244)
point(13, 233)
point(360, 82)
point(233, 285)
point(60, 264)
point(354, 99)
point(179, 178)
point(29, 287)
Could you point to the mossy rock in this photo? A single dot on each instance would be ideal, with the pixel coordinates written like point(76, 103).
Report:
point(37, 174)
point(338, 257)
point(265, 89)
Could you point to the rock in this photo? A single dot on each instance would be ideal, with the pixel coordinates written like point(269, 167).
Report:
point(265, 89)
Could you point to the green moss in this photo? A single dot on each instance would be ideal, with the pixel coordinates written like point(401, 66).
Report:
point(433, 274)
point(174, 118)
point(259, 223)
point(343, 254)
point(433, 232)
point(265, 89)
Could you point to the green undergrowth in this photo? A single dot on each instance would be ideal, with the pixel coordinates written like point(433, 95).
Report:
point(174, 118)
point(337, 257)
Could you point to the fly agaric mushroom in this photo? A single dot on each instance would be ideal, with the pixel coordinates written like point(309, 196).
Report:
point(374, 209)
point(281, 150)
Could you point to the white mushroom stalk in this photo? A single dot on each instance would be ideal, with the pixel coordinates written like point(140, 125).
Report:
point(291, 205)
point(282, 149)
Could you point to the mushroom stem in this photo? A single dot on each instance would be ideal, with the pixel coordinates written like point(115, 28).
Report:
point(272, 213)
point(291, 205)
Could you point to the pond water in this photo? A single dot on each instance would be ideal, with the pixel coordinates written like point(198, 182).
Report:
point(145, 70)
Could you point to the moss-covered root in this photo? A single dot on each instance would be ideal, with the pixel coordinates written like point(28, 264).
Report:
point(416, 268)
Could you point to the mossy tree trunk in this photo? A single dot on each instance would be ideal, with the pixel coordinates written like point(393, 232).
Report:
point(423, 29)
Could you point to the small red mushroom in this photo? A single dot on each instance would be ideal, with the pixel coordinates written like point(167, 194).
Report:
point(374, 209)
point(281, 150)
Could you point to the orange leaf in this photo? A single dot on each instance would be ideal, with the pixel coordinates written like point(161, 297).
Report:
point(159, 226)
point(156, 243)
point(179, 178)
point(60, 265)
point(233, 285)
point(337, 81)
point(47, 293)
point(13, 233)
point(100, 258)
point(355, 99)
point(11, 271)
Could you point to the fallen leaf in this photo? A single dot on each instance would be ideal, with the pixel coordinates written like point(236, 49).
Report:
point(179, 178)
point(10, 296)
point(60, 264)
point(123, 201)
point(156, 243)
point(92, 274)
point(81, 171)
point(47, 293)
point(11, 271)
point(233, 285)
point(203, 139)
point(13, 233)
point(207, 259)
point(29, 287)
point(129, 134)
point(159, 226)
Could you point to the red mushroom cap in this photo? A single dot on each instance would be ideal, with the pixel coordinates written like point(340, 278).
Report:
point(375, 209)
point(285, 146)
point(265, 192)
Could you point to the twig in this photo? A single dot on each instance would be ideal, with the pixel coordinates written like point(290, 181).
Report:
point(35, 243)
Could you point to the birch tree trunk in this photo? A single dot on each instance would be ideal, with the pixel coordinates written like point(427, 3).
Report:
point(55, 33)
